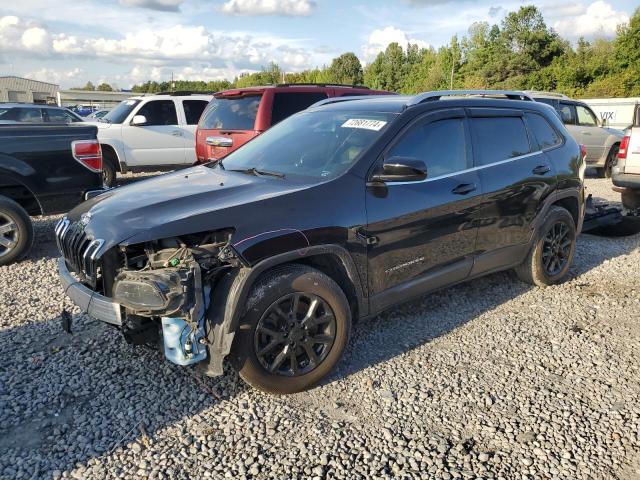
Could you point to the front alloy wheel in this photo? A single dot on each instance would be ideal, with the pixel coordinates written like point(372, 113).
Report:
point(295, 334)
point(293, 331)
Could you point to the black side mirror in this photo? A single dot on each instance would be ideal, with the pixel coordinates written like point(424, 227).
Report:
point(401, 169)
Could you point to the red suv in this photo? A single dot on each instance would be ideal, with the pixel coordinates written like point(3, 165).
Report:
point(234, 117)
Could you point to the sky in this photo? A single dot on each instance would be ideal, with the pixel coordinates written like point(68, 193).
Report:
point(123, 42)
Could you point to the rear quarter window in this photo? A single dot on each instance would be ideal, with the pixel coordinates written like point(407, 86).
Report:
point(231, 113)
point(499, 138)
point(542, 131)
point(286, 104)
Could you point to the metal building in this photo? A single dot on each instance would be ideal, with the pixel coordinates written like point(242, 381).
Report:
point(24, 90)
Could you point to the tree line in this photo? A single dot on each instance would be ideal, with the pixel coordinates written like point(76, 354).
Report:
point(520, 53)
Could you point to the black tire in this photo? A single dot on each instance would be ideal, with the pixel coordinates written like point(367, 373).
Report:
point(630, 199)
point(270, 293)
point(109, 169)
point(536, 269)
point(16, 231)
point(612, 158)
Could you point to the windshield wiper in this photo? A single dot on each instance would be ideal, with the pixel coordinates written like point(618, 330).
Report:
point(258, 173)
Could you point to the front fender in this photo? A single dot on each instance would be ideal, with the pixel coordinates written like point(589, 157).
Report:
point(232, 291)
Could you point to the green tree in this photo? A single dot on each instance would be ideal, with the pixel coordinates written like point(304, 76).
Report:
point(104, 87)
point(627, 44)
point(346, 69)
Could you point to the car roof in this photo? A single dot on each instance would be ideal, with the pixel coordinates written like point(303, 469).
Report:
point(399, 103)
point(292, 87)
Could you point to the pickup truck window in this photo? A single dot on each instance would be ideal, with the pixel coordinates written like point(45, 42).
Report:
point(159, 112)
point(231, 113)
point(60, 116)
point(585, 117)
point(120, 112)
point(29, 115)
point(193, 110)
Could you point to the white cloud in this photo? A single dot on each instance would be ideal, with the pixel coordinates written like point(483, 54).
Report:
point(379, 40)
point(597, 19)
point(269, 7)
point(55, 76)
point(161, 5)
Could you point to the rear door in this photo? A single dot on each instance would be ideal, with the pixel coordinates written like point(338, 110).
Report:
point(228, 123)
point(516, 175)
point(422, 234)
point(592, 136)
point(158, 142)
point(191, 111)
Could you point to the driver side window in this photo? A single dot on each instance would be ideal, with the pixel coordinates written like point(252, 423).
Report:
point(585, 117)
point(441, 145)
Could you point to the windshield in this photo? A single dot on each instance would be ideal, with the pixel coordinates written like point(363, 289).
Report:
point(313, 144)
point(231, 113)
point(120, 112)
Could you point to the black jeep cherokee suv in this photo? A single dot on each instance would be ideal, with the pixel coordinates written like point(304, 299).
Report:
point(337, 213)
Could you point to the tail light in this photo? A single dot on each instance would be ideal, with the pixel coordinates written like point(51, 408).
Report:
point(583, 152)
point(88, 153)
point(624, 145)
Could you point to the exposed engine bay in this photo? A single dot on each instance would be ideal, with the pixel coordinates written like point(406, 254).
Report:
point(165, 286)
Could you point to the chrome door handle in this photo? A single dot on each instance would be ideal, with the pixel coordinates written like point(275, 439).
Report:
point(219, 141)
point(583, 132)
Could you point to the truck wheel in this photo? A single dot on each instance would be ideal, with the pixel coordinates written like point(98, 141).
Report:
point(552, 253)
point(108, 173)
point(294, 331)
point(630, 199)
point(612, 158)
point(16, 231)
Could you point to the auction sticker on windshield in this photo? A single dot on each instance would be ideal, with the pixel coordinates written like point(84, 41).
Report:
point(364, 123)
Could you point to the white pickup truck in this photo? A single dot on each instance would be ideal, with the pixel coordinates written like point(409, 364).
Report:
point(155, 132)
point(625, 174)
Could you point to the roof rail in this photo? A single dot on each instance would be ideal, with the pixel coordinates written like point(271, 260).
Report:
point(437, 95)
point(346, 98)
point(183, 92)
point(344, 85)
point(548, 94)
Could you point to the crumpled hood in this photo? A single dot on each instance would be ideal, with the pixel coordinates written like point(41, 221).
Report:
point(193, 200)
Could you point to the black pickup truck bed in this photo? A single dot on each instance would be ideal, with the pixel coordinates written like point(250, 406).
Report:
point(39, 175)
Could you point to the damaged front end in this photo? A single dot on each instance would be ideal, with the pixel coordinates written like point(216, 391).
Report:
point(162, 290)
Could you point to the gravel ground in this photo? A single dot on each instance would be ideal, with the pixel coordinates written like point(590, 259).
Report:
point(489, 379)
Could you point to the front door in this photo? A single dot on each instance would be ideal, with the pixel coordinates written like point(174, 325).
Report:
point(422, 235)
point(160, 141)
point(583, 127)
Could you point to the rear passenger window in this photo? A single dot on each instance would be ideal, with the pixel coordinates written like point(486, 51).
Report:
point(567, 113)
point(499, 138)
point(29, 115)
point(544, 133)
point(441, 145)
point(193, 109)
point(159, 112)
point(286, 104)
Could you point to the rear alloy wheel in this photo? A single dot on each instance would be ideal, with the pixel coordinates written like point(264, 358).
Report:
point(16, 231)
point(550, 257)
point(294, 331)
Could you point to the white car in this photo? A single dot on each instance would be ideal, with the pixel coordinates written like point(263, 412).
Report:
point(602, 143)
point(626, 172)
point(155, 132)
